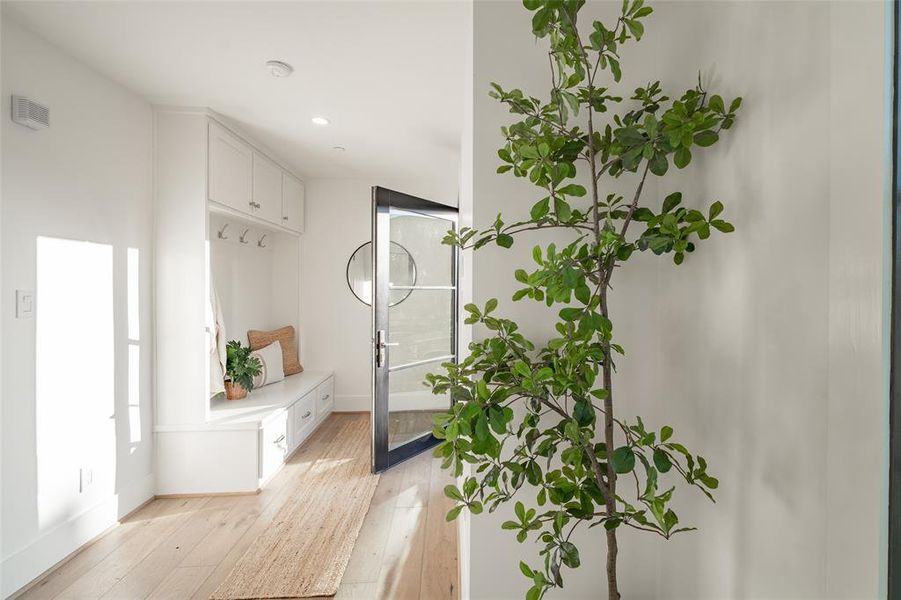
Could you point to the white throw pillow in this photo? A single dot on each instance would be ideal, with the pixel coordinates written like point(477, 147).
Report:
point(272, 370)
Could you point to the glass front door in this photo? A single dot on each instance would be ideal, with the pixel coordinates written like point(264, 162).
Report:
point(414, 320)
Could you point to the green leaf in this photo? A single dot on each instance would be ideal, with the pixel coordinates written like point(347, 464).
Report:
point(569, 554)
point(562, 208)
point(662, 461)
point(583, 413)
point(723, 226)
point(706, 138)
point(453, 493)
point(650, 125)
point(623, 459)
point(481, 430)
point(710, 482)
point(520, 510)
point(682, 157)
point(629, 136)
point(735, 105)
point(583, 294)
point(570, 314)
point(659, 165)
point(524, 568)
point(572, 190)
point(490, 305)
point(716, 104)
point(540, 209)
point(504, 240)
point(715, 209)
point(522, 369)
point(666, 432)
point(671, 202)
point(635, 27)
point(453, 513)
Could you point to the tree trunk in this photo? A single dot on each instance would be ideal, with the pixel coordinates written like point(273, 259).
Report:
point(612, 549)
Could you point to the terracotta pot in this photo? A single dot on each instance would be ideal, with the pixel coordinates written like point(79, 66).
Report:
point(234, 391)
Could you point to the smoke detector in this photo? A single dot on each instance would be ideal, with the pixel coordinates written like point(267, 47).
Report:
point(278, 68)
point(29, 113)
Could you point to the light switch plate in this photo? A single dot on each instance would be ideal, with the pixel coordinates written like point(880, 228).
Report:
point(24, 304)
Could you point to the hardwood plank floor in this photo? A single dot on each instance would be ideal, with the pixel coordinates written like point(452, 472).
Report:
point(180, 548)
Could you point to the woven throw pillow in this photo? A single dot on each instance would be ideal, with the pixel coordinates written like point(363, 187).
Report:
point(284, 336)
point(271, 365)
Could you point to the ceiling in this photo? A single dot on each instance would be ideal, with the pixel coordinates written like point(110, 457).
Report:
point(387, 74)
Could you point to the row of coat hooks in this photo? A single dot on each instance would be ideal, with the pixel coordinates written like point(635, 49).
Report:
point(222, 234)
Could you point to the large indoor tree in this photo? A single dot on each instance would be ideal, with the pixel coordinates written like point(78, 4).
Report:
point(538, 424)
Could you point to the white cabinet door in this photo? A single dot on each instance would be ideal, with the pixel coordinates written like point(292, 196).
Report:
point(230, 169)
point(267, 189)
point(292, 203)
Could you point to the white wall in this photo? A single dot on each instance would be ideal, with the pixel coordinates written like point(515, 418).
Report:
point(83, 187)
point(764, 350)
point(335, 326)
point(257, 287)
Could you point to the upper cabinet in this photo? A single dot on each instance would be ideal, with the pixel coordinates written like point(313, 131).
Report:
point(243, 179)
point(230, 169)
point(292, 203)
point(267, 189)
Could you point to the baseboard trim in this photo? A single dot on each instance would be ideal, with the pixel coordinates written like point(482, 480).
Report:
point(353, 403)
point(205, 495)
point(23, 569)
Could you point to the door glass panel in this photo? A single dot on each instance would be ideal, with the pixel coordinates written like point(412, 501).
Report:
point(421, 236)
point(421, 326)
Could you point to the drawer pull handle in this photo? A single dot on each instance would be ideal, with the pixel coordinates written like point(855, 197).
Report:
point(326, 397)
point(279, 439)
point(306, 415)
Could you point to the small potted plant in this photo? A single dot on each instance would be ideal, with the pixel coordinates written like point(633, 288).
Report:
point(240, 369)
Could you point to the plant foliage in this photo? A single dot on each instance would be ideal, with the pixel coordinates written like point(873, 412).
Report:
point(563, 456)
point(240, 366)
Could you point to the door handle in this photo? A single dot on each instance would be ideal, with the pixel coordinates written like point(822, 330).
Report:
point(380, 345)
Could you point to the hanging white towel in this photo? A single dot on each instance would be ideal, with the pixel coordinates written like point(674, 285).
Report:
point(217, 343)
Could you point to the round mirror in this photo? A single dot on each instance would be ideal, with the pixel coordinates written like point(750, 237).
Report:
point(402, 270)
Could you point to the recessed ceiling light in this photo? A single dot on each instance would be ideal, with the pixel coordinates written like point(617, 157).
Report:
point(278, 68)
point(320, 121)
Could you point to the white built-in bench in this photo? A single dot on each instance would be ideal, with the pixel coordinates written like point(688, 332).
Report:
point(244, 442)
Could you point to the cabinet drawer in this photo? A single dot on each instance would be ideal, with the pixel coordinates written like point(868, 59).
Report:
point(273, 444)
point(325, 396)
point(304, 417)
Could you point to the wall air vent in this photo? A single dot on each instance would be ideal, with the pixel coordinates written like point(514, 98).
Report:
point(29, 113)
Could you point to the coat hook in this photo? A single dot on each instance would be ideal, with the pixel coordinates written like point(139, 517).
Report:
point(260, 242)
point(243, 238)
point(221, 233)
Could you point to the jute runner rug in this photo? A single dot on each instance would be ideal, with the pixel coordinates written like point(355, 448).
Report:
point(305, 551)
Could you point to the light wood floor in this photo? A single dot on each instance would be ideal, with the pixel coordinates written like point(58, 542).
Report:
point(406, 425)
point(184, 548)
